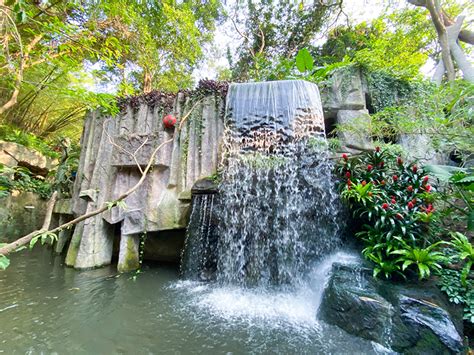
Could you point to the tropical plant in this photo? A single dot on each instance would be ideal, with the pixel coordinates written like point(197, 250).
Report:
point(21, 179)
point(394, 203)
point(424, 259)
point(458, 292)
point(458, 191)
point(465, 253)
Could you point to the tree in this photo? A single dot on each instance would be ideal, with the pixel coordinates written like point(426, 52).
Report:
point(51, 51)
point(398, 43)
point(273, 31)
point(449, 32)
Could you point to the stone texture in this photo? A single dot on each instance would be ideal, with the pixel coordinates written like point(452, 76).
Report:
point(408, 318)
point(343, 91)
point(20, 213)
point(23, 154)
point(204, 186)
point(355, 305)
point(360, 121)
point(107, 170)
point(419, 147)
point(129, 253)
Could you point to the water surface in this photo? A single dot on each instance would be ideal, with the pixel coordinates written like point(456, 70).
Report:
point(46, 308)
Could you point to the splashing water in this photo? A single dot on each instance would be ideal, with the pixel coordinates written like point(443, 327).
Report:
point(199, 257)
point(280, 209)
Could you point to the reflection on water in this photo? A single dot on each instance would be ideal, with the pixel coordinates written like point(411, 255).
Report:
point(47, 308)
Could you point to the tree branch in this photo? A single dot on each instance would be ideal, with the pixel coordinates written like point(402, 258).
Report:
point(9, 248)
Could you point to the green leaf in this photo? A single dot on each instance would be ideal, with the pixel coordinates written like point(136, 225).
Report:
point(4, 262)
point(34, 240)
point(470, 221)
point(304, 60)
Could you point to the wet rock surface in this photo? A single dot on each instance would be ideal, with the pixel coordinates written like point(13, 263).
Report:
point(408, 318)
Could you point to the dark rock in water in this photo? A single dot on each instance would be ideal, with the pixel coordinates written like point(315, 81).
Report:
point(429, 324)
point(204, 186)
point(408, 318)
point(351, 301)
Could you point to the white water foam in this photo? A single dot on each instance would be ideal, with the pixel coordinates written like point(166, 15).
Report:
point(276, 308)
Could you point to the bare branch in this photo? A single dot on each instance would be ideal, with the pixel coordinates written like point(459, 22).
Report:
point(11, 247)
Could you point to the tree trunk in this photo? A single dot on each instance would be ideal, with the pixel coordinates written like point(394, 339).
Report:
point(147, 80)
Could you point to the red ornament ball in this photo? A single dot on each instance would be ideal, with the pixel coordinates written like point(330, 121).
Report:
point(169, 121)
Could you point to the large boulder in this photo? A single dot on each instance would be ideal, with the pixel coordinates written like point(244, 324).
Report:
point(351, 302)
point(408, 318)
point(13, 154)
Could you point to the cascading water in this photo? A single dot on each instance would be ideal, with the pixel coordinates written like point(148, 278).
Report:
point(280, 210)
point(270, 235)
point(199, 256)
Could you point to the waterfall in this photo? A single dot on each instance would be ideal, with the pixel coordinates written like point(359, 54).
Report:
point(279, 210)
point(198, 260)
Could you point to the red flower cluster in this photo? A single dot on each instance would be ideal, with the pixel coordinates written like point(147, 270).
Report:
point(399, 161)
point(345, 157)
point(410, 205)
point(369, 167)
point(415, 168)
point(410, 188)
point(429, 209)
point(395, 177)
point(385, 206)
point(348, 174)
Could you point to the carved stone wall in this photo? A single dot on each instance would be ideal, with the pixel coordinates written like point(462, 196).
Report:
point(112, 151)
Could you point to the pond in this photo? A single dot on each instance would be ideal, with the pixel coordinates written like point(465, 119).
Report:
point(47, 308)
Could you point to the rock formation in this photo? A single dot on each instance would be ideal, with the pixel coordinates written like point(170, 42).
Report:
point(113, 152)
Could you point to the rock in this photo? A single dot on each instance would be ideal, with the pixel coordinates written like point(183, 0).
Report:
point(351, 302)
point(359, 121)
point(20, 213)
point(408, 318)
point(204, 186)
point(13, 154)
point(343, 91)
point(106, 170)
point(419, 147)
point(428, 324)
point(129, 254)
point(63, 206)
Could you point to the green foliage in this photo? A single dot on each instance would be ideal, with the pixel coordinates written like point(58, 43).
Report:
point(44, 237)
point(458, 292)
point(4, 261)
point(444, 114)
point(67, 169)
point(304, 61)
point(397, 43)
point(425, 259)
point(120, 204)
point(394, 203)
point(10, 134)
point(273, 32)
point(21, 179)
point(464, 253)
point(458, 191)
point(56, 52)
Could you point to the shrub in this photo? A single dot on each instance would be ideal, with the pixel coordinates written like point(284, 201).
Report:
point(395, 202)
